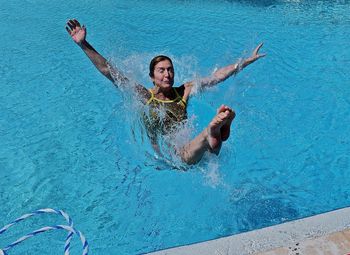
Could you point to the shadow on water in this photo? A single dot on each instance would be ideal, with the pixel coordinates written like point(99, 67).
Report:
point(256, 3)
point(256, 209)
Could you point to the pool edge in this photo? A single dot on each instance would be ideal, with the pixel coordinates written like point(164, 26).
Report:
point(276, 239)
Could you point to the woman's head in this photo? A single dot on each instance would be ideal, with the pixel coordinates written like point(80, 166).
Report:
point(161, 71)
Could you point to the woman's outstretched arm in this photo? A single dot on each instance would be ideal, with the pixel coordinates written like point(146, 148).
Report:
point(227, 71)
point(78, 34)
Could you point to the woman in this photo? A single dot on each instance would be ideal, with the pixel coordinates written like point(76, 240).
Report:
point(172, 99)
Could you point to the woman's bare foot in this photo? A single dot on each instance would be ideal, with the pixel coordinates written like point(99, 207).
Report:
point(219, 128)
point(225, 129)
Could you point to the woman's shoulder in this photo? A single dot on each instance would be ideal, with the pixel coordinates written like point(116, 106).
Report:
point(184, 90)
point(180, 89)
point(144, 93)
point(185, 86)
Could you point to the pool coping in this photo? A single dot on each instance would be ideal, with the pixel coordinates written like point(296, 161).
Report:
point(272, 238)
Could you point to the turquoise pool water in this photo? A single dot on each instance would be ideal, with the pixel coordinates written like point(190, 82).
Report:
point(70, 140)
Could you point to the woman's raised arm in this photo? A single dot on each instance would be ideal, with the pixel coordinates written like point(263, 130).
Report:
point(227, 71)
point(78, 34)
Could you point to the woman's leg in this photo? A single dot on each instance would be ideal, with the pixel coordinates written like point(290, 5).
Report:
point(211, 138)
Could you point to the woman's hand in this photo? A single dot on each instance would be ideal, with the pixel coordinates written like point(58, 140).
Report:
point(77, 32)
point(255, 55)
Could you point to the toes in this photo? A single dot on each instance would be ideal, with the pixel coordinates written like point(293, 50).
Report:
point(222, 108)
point(221, 116)
point(225, 114)
point(232, 115)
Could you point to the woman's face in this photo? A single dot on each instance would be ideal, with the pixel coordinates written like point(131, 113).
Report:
point(163, 75)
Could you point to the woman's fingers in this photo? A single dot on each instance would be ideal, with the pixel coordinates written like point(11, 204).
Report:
point(256, 51)
point(259, 46)
point(76, 22)
point(68, 30)
point(71, 24)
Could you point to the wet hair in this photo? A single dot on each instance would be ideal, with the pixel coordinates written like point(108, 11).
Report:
point(155, 61)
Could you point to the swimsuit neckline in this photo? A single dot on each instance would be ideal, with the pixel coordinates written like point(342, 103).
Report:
point(178, 98)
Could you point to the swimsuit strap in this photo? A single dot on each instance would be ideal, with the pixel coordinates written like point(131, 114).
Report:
point(178, 98)
point(151, 98)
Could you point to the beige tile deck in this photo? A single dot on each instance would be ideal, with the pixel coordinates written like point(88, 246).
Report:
point(332, 244)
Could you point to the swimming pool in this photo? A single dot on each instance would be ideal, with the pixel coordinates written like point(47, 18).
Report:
point(65, 130)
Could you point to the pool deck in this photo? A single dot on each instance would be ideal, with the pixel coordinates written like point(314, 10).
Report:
point(327, 233)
